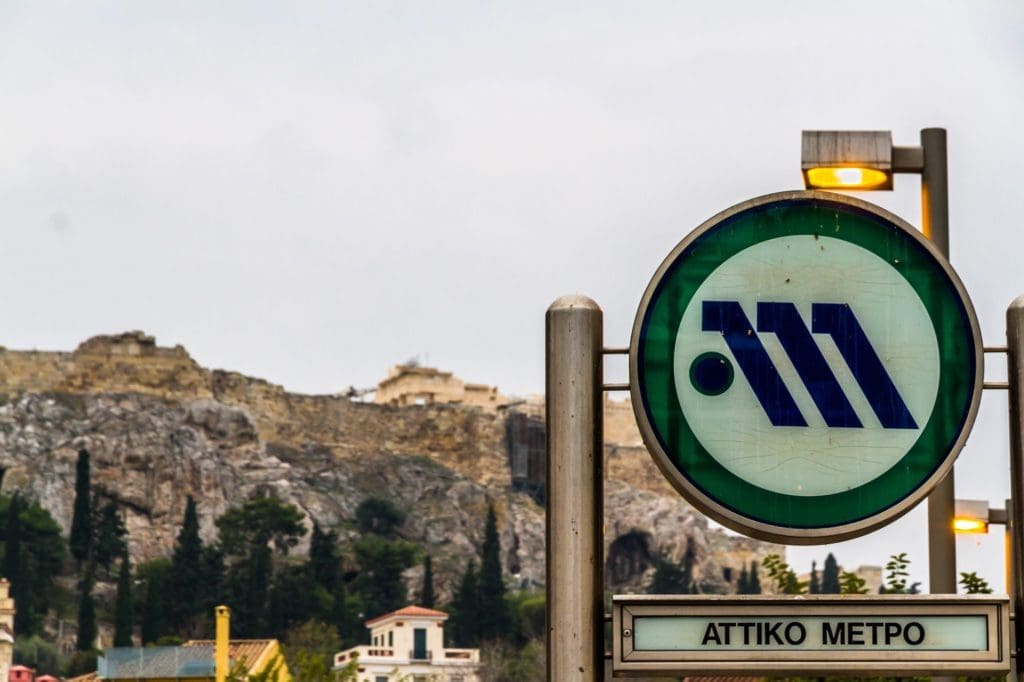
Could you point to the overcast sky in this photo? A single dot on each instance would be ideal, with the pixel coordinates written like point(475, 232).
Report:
point(312, 192)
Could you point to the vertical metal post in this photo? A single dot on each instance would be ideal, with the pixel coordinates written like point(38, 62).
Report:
point(1015, 509)
point(935, 225)
point(575, 491)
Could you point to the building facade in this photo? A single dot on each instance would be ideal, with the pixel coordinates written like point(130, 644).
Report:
point(408, 644)
point(412, 384)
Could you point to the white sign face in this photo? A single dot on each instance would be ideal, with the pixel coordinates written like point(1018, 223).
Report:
point(877, 632)
point(818, 634)
point(793, 273)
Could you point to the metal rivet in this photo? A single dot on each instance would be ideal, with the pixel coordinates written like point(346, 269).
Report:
point(627, 632)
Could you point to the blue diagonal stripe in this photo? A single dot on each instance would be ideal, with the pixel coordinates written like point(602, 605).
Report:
point(728, 318)
point(838, 320)
point(785, 322)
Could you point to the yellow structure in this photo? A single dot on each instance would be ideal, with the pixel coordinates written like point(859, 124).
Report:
point(408, 644)
point(6, 629)
point(200, 660)
point(220, 650)
point(411, 384)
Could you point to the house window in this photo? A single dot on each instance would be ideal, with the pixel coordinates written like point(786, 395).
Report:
point(380, 678)
point(391, 638)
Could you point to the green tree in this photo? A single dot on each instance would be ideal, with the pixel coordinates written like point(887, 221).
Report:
point(754, 582)
point(672, 579)
point(785, 578)
point(814, 585)
point(249, 535)
point(211, 586)
point(323, 557)
point(35, 652)
point(465, 609)
point(830, 576)
point(427, 597)
point(155, 607)
point(187, 573)
point(109, 534)
point(124, 609)
point(14, 568)
point(381, 563)
point(379, 516)
point(896, 577)
point(295, 598)
point(86, 617)
point(974, 584)
point(346, 610)
point(248, 589)
point(34, 555)
point(263, 520)
point(494, 618)
point(81, 520)
point(80, 663)
point(310, 649)
point(851, 583)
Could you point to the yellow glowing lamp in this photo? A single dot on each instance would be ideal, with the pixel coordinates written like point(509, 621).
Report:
point(832, 177)
point(971, 516)
point(850, 159)
point(969, 525)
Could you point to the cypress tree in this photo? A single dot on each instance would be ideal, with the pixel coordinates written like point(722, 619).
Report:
point(689, 561)
point(494, 617)
point(86, 617)
point(814, 586)
point(16, 560)
point(155, 603)
point(743, 582)
point(754, 582)
point(323, 557)
point(830, 576)
point(427, 592)
point(466, 607)
point(123, 607)
point(108, 542)
point(186, 570)
point(80, 542)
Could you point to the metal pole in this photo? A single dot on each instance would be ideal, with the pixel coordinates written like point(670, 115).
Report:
point(1015, 509)
point(935, 225)
point(575, 491)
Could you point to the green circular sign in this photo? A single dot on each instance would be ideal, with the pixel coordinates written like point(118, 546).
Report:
point(805, 367)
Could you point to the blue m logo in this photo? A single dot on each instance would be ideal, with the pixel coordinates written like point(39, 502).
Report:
point(783, 320)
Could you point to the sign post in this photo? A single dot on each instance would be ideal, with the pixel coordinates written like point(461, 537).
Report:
point(575, 485)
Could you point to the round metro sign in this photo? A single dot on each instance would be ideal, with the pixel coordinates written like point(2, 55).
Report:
point(806, 367)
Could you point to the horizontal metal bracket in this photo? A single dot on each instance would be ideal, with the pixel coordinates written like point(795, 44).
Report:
point(907, 159)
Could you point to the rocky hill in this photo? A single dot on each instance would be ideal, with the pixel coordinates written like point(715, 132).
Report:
point(160, 427)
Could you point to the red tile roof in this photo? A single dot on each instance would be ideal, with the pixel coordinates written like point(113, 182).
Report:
point(246, 651)
point(411, 611)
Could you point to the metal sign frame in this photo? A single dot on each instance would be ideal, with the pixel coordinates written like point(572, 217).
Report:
point(626, 661)
point(777, 532)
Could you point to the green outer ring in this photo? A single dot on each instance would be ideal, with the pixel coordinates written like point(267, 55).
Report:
point(808, 213)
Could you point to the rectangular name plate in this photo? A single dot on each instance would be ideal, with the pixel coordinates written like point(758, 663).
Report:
point(810, 635)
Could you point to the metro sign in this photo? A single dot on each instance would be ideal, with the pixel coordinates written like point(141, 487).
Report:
point(805, 367)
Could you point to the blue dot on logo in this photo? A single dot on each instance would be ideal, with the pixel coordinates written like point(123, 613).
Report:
point(711, 373)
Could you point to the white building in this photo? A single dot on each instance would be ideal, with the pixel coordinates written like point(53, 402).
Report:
point(408, 644)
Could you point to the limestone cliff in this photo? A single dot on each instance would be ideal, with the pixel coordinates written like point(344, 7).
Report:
point(160, 427)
